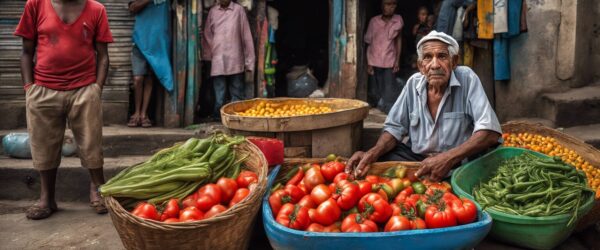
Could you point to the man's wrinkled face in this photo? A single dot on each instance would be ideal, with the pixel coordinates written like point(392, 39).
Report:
point(437, 65)
point(388, 7)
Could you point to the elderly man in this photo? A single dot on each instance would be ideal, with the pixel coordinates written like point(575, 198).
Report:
point(443, 110)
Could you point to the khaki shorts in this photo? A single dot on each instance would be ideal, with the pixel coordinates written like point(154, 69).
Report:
point(47, 113)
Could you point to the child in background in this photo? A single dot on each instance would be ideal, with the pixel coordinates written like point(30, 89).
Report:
point(422, 28)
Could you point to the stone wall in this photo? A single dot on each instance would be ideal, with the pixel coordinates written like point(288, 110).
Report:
point(548, 58)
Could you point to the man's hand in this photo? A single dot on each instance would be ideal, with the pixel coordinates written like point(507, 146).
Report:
point(370, 70)
point(396, 68)
point(436, 167)
point(137, 6)
point(358, 165)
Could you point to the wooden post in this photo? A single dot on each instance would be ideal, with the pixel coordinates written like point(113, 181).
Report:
point(347, 89)
point(174, 101)
point(262, 36)
point(335, 47)
point(192, 86)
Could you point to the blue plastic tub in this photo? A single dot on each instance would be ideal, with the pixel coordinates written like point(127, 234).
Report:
point(458, 237)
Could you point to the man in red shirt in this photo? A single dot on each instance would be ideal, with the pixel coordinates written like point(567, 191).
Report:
point(70, 40)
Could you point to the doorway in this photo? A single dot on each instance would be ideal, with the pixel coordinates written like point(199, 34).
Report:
point(301, 39)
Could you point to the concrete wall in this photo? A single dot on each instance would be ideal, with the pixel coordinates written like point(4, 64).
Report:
point(552, 56)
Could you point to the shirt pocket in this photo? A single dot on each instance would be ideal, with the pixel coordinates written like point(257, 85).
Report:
point(453, 129)
point(414, 119)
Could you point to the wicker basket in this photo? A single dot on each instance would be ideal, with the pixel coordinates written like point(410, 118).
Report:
point(586, 151)
point(229, 230)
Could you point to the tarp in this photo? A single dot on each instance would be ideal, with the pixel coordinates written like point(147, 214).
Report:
point(152, 36)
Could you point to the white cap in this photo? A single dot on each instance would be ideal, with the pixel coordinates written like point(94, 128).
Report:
point(439, 36)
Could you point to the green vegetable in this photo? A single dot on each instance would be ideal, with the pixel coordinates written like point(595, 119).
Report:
point(419, 187)
point(177, 171)
point(532, 186)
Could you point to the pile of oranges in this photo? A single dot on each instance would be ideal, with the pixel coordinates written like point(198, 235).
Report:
point(270, 109)
point(549, 146)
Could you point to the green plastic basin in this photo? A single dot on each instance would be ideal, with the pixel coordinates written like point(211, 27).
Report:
point(532, 232)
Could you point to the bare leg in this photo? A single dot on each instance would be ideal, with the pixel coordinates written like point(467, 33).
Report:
point(138, 85)
point(147, 94)
point(96, 179)
point(48, 182)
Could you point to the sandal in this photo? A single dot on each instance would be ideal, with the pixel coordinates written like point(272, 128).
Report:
point(36, 212)
point(99, 207)
point(134, 121)
point(146, 123)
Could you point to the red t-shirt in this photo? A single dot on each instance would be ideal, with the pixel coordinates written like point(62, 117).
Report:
point(66, 57)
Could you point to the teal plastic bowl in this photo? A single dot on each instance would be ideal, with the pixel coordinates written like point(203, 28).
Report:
point(532, 232)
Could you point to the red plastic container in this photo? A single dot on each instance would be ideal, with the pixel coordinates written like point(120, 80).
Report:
point(271, 148)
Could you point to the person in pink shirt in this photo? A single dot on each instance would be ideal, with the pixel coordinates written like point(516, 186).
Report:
point(230, 49)
point(384, 39)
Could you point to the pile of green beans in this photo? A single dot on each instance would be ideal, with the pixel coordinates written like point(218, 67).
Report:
point(177, 171)
point(532, 186)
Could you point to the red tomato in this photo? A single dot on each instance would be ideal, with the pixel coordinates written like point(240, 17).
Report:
point(465, 211)
point(295, 180)
point(331, 169)
point(378, 209)
point(239, 195)
point(216, 209)
point(311, 213)
point(443, 186)
point(278, 198)
point(303, 187)
point(190, 201)
point(146, 211)
point(293, 216)
point(373, 179)
point(307, 202)
point(331, 187)
point(357, 223)
point(228, 187)
point(439, 216)
point(365, 187)
point(190, 214)
point(407, 191)
point(315, 227)
point(333, 228)
point(171, 210)
point(320, 193)
point(208, 196)
point(450, 198)
point(172, 220)
point(295, 193)
point(417, 223)
point(340, 176)
point(327, 213)
point(413, 199)
point(383, 194)
point(397, 223)
point(346, 194)
point(405, 209)
point(246, 178)
point(313, 177)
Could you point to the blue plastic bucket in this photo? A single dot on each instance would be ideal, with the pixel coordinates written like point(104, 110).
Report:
point(458, 237)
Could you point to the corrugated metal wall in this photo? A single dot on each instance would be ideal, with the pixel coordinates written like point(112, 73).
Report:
point(116, 91)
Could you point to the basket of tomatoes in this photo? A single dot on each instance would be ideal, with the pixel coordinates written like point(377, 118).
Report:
point(314, 204)
point(217, 211)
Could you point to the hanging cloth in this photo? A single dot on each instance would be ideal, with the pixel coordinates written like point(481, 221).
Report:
point(500, 18)
point(485, 15)
point(514, 17)
point(457, 31)
point(152, 36)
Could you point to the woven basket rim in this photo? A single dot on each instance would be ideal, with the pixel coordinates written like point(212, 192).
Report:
point(253, 197)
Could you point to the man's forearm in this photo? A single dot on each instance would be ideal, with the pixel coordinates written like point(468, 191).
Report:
point(480, 141)
point(385, 143)
point(102, 63)
point(27, 61)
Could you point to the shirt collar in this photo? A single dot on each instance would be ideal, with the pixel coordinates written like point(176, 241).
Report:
point(230, 7)
point(422, 85)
